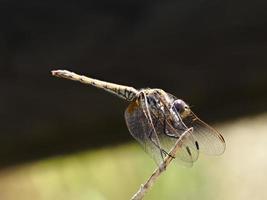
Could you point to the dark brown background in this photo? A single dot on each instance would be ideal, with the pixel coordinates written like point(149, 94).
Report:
point(211, 53)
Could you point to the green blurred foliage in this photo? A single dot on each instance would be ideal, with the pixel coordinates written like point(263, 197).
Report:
point(115, 173)
point(112, 173)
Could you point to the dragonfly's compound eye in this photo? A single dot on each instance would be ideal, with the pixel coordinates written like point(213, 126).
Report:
point(180, 105)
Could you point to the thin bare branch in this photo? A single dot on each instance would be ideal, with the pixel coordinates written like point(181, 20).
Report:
point(162, 167)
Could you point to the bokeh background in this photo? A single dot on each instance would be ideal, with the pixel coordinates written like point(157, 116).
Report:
point(64, 140)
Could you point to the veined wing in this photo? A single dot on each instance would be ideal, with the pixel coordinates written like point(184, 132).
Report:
point(139, 127)
point(210, 141)
point(168, 135)
point(152, 136)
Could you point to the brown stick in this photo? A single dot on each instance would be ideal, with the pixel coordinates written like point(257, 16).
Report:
point(162, 167)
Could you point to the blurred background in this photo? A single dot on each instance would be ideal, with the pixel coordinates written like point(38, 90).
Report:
point(63, 140)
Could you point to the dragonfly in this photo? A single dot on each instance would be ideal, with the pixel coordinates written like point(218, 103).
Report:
point(157, 119)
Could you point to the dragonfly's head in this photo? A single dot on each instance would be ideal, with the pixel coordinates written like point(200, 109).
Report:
point(181, 107)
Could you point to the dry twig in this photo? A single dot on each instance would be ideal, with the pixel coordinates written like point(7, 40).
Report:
point(162, 167)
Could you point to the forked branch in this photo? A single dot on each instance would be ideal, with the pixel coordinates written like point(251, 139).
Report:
point(162, 167)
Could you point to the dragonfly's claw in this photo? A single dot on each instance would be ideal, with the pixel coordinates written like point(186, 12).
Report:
point(167, 154)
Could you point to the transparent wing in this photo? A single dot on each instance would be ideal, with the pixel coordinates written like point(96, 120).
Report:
point(188, 152)
point(162, 136)
point(140, 129)
point(210, 141)
point(168, 135)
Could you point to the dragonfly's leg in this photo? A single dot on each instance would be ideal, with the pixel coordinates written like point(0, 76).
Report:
point(172, 136)
point(165, 131)
point(150, 138)
point(166, 153)
point(162, 151)
point(165, 126)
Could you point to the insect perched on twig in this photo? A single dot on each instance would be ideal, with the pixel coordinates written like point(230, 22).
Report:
point(157, 119)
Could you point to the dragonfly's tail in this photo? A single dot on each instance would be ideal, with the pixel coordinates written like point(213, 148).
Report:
point(125, 92)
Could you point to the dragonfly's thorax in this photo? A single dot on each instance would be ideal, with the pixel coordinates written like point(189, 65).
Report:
point(157, 100)
point(165, 106)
